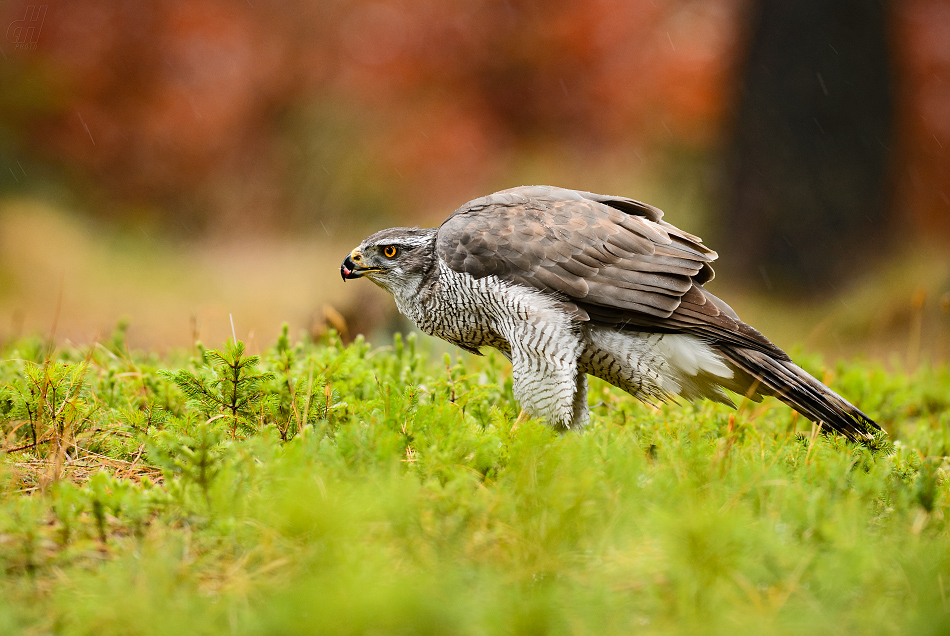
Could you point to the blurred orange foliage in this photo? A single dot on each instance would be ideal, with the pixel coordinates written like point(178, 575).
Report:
point(922, 43)
point(186, 104)
point(165, 99)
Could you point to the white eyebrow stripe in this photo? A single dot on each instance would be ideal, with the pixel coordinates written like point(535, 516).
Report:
point(407, 241)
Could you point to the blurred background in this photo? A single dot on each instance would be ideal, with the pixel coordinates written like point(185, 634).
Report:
point(179, 164)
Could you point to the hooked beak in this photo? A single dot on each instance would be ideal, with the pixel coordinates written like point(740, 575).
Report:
point(351, 267)
point(347, 269)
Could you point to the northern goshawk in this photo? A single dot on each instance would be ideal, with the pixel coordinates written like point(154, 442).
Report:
point(567, 283)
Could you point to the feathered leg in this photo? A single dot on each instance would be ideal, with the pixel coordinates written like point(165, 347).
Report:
point(545, 387)
point(581, 414)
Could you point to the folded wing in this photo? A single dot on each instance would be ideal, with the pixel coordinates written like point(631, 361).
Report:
point(613, 260)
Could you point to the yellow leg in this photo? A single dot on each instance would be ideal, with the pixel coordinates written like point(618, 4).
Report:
point(523, 417)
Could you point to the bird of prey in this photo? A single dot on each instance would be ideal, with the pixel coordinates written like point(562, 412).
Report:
point(568, 283)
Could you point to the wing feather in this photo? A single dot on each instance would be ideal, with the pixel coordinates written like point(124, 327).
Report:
point(611, 260)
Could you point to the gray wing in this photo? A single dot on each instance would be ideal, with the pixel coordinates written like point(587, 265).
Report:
point(614, 259)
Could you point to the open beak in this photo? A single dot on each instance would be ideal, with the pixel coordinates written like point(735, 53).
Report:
point(352, 269)
point(348, 269)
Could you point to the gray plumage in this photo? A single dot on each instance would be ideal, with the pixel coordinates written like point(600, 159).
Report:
point(567, 283)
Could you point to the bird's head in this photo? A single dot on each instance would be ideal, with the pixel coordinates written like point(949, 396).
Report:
point(396, 258)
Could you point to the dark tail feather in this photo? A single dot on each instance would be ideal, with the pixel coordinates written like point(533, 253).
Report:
point(792, 385)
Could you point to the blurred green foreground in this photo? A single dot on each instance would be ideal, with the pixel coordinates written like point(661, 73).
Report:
point(325, 489)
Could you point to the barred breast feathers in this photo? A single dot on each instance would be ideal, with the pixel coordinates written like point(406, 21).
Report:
point(478, 312)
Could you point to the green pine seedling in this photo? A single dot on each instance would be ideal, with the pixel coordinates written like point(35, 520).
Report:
point(285, 410)
point(232, 391)
point(300, 393)
point(51, 399)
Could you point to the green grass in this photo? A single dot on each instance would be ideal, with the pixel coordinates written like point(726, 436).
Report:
point(325, 489)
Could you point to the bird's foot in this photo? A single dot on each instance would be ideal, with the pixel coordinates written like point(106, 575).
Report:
point(523, 417)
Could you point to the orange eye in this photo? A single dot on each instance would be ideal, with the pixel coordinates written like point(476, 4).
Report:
point(390, 251)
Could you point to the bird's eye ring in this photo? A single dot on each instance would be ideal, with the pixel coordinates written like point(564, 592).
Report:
point(390, 251)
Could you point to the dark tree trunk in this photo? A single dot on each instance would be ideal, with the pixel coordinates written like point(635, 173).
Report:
point(808, 186)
